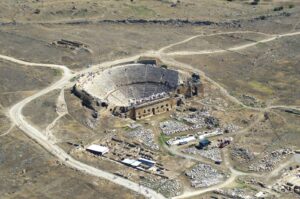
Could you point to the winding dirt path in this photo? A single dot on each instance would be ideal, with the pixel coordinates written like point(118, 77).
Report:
point(236, 48)
point(8, 131)
point(18, 119)
point(203, 35)
point(61, 110)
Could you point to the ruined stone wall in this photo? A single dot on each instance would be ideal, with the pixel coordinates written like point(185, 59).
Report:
point(87, 100)
point(154, 109)
point(190, 90)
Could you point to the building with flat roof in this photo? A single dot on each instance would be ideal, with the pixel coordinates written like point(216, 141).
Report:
point(97, 149)
point(131, 162)
point(204, 143)
point(147, 162)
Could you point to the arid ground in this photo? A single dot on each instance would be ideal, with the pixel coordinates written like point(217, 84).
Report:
point(246, 52)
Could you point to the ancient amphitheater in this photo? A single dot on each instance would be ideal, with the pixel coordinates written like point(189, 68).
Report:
point(135, 90)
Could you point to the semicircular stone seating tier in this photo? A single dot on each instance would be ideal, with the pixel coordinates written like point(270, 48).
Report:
point(119, 84)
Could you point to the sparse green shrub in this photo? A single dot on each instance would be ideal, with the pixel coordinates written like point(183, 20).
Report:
point(262, 17)
point(291, 6)
point(73, 79)
point(57, 72)
point(48, 104)
point(278, 8)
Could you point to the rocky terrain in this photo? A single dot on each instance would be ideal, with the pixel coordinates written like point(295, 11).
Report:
point(203, 175)
point(247, 55)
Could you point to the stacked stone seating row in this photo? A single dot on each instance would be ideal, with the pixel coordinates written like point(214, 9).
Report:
point(171, 77)
point(105, 83)
point(136, 73)
point(127, 92)
point(114, 100)
point(139, 90)
point(121, 83)
point(153, 73)
point(150, 89)
point(120, 96)
point(119, 76)
point(162, 88)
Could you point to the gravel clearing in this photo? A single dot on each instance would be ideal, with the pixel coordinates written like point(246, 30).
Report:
point(144, 136)
point(196, 118)
point(269, 161)
point(170, 127)
point(212, 154)
point(242, 154)
point(203, 175)
point(168, 188)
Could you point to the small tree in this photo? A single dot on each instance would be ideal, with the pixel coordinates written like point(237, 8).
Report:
point(255, 2)
point(278, 8)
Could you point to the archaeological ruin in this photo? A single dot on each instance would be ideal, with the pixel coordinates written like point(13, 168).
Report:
point(137, 90)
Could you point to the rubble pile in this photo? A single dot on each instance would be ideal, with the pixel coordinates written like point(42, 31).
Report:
point(285, 188)
point(203, 175)
point(213, 153)
point(144, 136)
point(215, 102)
point(170, 127)
point(268, 162)
point(231, 128)
point(233, 193)
point(212, 122)
point(201, 119)
point(289, 181)
point(242, 154)
point(169, 188)
point(251, 101)
point(196, 118)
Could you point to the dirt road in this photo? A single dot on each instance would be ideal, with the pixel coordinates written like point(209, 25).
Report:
point(236, 48)
point(17, 117)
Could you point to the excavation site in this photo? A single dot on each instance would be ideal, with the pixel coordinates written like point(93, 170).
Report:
point(150, 99)
point(137, 90)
